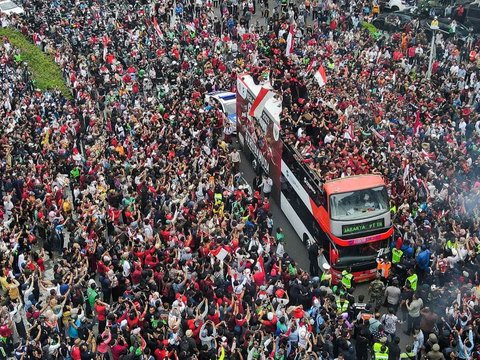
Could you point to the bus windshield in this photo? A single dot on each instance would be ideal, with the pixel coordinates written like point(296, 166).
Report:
point(352, 255)
point(360, 204)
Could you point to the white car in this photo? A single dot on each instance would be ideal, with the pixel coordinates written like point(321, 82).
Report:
point(9, 7)
point(228, 103)
point(398, 5)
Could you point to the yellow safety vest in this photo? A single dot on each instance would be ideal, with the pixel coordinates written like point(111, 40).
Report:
point(326, 277)
point(381, 356)
point(413, 279)
point(347, 281)
point(396, 255)
point(377, 347)
point(341, 308)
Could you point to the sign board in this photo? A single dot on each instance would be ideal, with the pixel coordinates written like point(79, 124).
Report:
point(363, 227)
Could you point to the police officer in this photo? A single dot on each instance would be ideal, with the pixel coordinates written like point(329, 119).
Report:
point(408, 354)
point(396, 255)
point(326, 276)
point(376, 291)
point(342, 304)
point(382, 354)
point(347, 279)
point(412, 279)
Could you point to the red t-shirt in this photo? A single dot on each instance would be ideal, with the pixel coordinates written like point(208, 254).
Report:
point(117, 351)
point(75, 353)
point(101, 311)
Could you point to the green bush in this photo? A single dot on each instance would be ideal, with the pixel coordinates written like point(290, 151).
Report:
point(46, 73)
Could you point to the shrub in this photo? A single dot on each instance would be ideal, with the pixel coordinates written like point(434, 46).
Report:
point(46, 73)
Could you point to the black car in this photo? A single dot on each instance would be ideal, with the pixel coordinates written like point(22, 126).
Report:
point(444, 25)
point(392, 22)
point(469, 15)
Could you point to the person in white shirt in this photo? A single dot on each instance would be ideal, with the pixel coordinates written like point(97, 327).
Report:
point(267, 184)
point(329, 138)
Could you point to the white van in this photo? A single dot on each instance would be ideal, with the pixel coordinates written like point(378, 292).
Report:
point(9, 7)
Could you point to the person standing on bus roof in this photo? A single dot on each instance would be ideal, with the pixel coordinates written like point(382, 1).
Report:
point(267, 184)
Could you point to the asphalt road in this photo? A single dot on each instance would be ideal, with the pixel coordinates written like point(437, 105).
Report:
point(293, 245)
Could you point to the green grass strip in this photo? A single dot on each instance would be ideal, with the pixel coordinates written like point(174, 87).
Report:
point(45, 72)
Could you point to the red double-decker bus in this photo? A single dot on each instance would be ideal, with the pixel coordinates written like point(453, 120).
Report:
point(348, 217)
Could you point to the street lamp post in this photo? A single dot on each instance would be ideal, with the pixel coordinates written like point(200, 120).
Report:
point(433, 27)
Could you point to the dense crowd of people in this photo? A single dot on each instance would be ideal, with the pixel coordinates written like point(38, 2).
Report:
point(126, 233)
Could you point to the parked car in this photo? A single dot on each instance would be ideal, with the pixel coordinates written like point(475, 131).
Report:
point(468, 15)
point(444, 26)
point(9, 7)
point(392, 22)
point(398, 5)
point(228, 104)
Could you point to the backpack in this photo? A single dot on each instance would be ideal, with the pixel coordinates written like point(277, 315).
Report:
point(184, 346)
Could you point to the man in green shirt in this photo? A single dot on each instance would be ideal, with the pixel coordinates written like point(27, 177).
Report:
point(92, 295)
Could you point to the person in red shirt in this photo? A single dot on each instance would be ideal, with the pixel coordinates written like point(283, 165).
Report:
point(75, 352)
point(119, 346)
point(101, 310)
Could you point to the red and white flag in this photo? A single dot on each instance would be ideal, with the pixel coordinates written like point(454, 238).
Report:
point(260, 101)
point(290, 41)
point(418, 124)
point(406, 173)
point(320, 76)
point(157, 28)
point(349, 133)
point(105, 41)
point(311, 65)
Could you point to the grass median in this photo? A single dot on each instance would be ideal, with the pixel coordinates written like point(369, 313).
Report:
point(46, 73)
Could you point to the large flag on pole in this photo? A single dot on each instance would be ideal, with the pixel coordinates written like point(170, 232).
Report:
point(260, 101)
point(157, 28)
point(320, 76)
point(290, 41)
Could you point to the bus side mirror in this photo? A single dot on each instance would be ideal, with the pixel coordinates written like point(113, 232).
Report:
point(334, 256)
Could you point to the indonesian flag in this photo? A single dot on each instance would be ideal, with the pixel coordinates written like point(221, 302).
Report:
point(406, 173)
point(290, 41)
point(377, 134)
point(260, 101)
point(320, 76)
point(418, 124)
point(311, 65)
point(105, 41)
point(157, 28)
point(349, 133)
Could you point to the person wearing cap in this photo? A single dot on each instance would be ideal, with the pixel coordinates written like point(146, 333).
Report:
point(408, 354)
point(326, 275)
point(376, 291)
point(435, 353)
